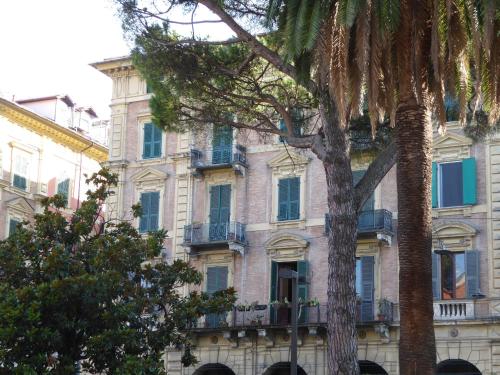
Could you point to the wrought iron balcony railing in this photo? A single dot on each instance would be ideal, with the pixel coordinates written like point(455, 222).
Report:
point(218, 157)
point(214, 233)
point(372, 221)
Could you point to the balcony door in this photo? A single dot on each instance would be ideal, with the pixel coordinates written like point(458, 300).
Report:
point(222, 144)
point(220, 212)
point(367, 215)
point(216, 281)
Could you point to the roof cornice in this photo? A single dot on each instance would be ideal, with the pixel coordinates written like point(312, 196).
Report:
point(56, 132)
point(113, 66)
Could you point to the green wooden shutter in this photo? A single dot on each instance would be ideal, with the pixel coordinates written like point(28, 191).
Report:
point(472, 272)
point(20, 182)
point(283, 198)
point(367, 287)
point(303, 287)
point(225, 210)
point(13, 226)
point(63, 189)
point(147, 148)
point(222, 143)
point(156, 141)
point(469, 181)
point(298, 121)
point(273, 293)
point(216, 281)
point(145, 206)
point(436, 276)
point(154, 210)
point(294, 196)
point(434, 185)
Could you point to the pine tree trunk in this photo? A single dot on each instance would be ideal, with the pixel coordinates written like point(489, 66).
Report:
point(417, 349)
point(341, 306)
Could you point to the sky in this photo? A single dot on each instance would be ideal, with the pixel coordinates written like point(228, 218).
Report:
point(47, 46)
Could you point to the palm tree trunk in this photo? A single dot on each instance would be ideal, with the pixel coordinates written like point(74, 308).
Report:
point(417, 349)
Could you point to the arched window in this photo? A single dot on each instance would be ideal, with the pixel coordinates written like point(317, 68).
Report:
point(214, 369)
point(457, 367)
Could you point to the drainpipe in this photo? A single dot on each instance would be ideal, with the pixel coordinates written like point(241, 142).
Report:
point(80, 173)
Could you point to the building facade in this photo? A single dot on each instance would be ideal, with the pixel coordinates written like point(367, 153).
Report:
point(39, 158)
point(241, 208)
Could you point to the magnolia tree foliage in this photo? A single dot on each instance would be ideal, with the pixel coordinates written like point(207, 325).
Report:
point(81, 291)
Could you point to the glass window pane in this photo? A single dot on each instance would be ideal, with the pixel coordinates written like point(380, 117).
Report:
point(451, 184)
point(447, 276)
point(460, 290)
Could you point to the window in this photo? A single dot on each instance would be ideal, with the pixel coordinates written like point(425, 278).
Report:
point(222, 145)
point(216, 281)
point(13, 226)
point(21, 170)
point(455, 275)
point(152, 141)
point(365, 285)
point(289, 199)
point(63, 189)
point(298, 123)
point(454, 183)
point(220, 212)
point(150, 203)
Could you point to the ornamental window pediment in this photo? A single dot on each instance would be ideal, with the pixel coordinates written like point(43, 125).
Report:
point(451, 147)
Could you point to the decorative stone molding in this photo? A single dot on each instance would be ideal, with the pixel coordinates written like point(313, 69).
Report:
point(19, 208)
point(451, 147)
point(231, 338)
point(383, 330)
point(299, 337)
point(455, 236)
point(267, 336)
point(287, 247)
point(149, 177)
point(314, 332)
point(465, 211)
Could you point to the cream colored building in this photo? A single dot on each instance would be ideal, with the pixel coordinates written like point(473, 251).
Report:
point(240, 209)
point(39, 158)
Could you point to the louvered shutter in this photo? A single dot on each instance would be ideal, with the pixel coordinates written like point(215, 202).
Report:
point(12, 226)
point(63, 189)
point(154, 210)
point(294, 196)
point(472, 272)
point(145, 206)
point(434, 185)
point(222, 142)
point(367, 287)
point(283, 198)
point(20, 182)
point(216, 281)
point(147, 148)
point(436, 276)
point(273, 293)
point(303, 287)
point(214, 213)
point(225, 210)
point(469, 181)
point(156, 141)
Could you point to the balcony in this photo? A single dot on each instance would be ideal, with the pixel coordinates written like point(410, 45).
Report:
point(370, 223)
point(231, 234)
point(233, 157)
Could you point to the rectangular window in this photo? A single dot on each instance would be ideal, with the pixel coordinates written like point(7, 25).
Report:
point(365, 287)
point(454, 183)
point(289, 199)
point(63, 189)
point(150, 203)
point(21, 170)
point(216, 281)
point(152, 141)
point(222, 145)
point(220, 212)
point(453, 276)
point(13, 225)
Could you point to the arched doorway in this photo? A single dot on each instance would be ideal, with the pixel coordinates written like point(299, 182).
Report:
point(214, 369)
point(282, 368)
point(457, 367)
point(371, 368)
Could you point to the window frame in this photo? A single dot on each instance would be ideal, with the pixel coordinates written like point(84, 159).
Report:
point(440, 183)
point(159, 221)
point(16, 153)
point(142, 122)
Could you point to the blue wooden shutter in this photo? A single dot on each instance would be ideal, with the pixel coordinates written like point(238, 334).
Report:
point(367, 287)
point(294, 196)
point(147, 148)
point(469, 181)
point(145, 206)
point(436, 276)
point(154, 210)
point(63, 189)
point(303, 287)
point(434, 185)
point(274, 291)
point(13, 226)
point(283, 198)
point(472, 272)
point(156, 141)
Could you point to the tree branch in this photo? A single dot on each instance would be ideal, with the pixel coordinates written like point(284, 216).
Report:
point(374, 174)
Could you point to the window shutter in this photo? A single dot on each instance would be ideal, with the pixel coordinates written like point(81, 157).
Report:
point(472, 272)
point(367, 286)
point(20, 182)
point(436, 276)
point(63, 189)
point(214, 204)
point(147, 149)
point(225, 203)
point(222, 142)
point(434, 185)
point(469, 181)
point(294, 210)
point(12, 226)
point(283, 198)
point(274, 291)
point(216, 280)
point(145, 205)
point(154, 210)
point(282, 127)
point(298, 121)
point(328, 223)
point(156, 141)
point(303, 287)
